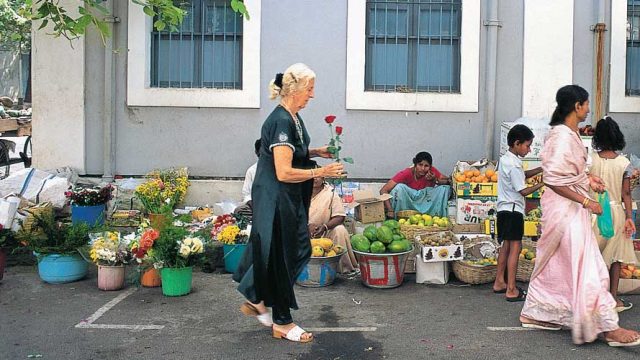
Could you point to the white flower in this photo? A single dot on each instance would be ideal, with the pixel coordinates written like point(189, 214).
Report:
point(168, 201)
point(185, 251)
point(197, 247)
point(245, 232)
point(178, 223)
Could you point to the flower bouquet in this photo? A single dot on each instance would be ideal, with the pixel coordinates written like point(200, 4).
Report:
point(334, 147)
point(88, 203)
point(110, 253)
point(141, 247)
point(175, 253)
point(233, 231)
point(163, 190)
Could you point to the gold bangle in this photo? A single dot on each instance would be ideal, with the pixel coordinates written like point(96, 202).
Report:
point(585, 202)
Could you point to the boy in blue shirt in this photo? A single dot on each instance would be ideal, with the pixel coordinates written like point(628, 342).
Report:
point(512, 189)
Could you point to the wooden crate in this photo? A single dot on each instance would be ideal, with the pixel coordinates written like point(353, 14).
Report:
point(8, 125)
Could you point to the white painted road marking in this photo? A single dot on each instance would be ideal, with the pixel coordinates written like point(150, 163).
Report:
point(88, 323)
point(342, 329)
point(512, 328)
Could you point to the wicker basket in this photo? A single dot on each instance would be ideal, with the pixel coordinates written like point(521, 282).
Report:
point(42, 209)
point(405, 214)
point(474, 274)
point(525, 267)
point(410, 231)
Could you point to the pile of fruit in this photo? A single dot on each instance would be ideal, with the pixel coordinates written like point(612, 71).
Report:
point(636, 245)
point(629, 272)
point(476, 176)
point(444, 238)
point(527, 254)
point(534, 180)
point(324, 247)
point(425, 220)
point(384, 239)
point(482, 262)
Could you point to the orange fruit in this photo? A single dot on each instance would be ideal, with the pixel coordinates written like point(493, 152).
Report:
point(468, 173)
point(476, 172)
point(494, 178)
point(489, 173)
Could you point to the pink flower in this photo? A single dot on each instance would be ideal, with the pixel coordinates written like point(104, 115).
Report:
point(339, 130)
point(330, 119)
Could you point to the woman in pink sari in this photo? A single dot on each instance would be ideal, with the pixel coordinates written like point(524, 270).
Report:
point(570, 283)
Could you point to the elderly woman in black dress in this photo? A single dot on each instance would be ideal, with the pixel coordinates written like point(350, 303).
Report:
point(279, 246)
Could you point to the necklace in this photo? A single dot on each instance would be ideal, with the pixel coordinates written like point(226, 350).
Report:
point(297, 123)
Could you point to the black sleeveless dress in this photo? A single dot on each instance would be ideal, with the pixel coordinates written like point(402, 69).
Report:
point(279, 246)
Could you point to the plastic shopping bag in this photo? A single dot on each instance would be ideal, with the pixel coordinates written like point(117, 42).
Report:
point(605, 220)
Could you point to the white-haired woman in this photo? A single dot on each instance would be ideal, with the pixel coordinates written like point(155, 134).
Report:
point(279, 246)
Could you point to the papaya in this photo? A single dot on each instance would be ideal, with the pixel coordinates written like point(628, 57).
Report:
point(626, 274)
point(326, 243)
point(331, 253)
point(384, 234)
point(391, 224)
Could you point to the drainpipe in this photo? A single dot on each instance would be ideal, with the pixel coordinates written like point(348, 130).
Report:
point(492, 24)
point(599, 30)
point(109, 120)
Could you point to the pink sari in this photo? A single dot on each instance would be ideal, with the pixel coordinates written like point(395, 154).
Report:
point(570, 283)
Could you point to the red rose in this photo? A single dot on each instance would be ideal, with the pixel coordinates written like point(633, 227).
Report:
point(339, 130)
point(329, 119)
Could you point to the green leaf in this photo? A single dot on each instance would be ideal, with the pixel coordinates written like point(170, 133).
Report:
point(103, 28)
point(159, 25)
point(348, 160)
point(44, 23)
point(149, 11)
point(331, 149)
point(332, 142)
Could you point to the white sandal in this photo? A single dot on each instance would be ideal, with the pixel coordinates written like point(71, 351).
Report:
point(249, 309)
point(295, 335)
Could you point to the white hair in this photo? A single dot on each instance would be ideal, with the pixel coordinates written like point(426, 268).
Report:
point(294, 79)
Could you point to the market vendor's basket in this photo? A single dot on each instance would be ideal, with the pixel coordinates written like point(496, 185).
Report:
point(405, 214)
point(320, 271)
point(474, 274)
point(410, 231)
point(384, 270)
point(525, 267)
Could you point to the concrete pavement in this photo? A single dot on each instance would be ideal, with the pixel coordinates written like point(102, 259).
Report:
point(351, 321)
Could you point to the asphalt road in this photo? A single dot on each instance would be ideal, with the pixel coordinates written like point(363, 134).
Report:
point(414, 321)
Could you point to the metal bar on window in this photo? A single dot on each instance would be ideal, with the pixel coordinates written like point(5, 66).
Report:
point(203, 28)
point(213, 46)
point(235, 42)
point(386, 33)
point(451, 47)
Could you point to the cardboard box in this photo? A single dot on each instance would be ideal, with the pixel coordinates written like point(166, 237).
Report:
point(531, 228)
point(539, 127)
point(468, 228)
point(474, 210)
point(432, 272)
point(442, 253)
point(468, 189)
point(412, 259)
point(369, 207)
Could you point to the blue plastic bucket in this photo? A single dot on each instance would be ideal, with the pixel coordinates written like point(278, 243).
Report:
point(92, 215)
point(232, 256)
point(60, 269)
point(320, 271)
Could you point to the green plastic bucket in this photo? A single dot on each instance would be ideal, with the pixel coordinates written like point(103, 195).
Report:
point(176, 282)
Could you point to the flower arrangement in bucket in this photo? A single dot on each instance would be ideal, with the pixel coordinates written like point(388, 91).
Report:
point(110, 252)
point(335, 145)
point(141, 246)
point(8, 243)
point(88, 203)
point(58, 247)
point(233, 231)
point(175, 252)
point(163, 190)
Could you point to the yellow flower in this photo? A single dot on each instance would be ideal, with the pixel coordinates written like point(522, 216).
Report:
point(185, 251)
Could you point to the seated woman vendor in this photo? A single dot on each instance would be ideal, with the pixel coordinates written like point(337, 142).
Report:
point(326, 218)
point(417, 177)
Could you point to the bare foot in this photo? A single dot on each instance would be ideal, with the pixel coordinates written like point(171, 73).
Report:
point(621, 335)
point(306, 336)
point(499, 286)
point(525, 320)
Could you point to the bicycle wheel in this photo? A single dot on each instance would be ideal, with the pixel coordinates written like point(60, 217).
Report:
point(25, 154)
point(4, 160)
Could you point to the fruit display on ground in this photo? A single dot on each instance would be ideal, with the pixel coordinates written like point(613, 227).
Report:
point(476, 176)
point(527, 255)
point(629, 272)
point(383, 239)
point(426, 220)
point(439, 239)
point(480, 251)
point(324, 247)
point(440, 246)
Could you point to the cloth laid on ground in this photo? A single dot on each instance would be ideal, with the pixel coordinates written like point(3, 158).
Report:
point(430, 200)
point(36, 186)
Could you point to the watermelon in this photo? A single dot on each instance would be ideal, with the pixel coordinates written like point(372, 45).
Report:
point(384, 234)
point(370, 233)
point(360, 243)
point(377, 247)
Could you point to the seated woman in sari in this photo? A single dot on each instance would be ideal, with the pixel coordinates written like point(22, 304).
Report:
point(414, 188)
point(326, 216)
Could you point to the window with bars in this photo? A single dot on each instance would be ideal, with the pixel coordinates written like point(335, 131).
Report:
point(205, 52)
point(632, 83)
point(413, 46)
